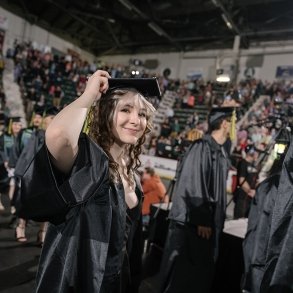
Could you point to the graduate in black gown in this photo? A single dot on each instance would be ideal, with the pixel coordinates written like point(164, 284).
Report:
point(198, 211)
point(24, 135)
point(31, 147)
point(278, 270)
point(88, 247)
point(255, 243)
point(21, 141)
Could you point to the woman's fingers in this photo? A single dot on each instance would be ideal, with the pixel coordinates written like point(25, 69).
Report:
point(97, 83)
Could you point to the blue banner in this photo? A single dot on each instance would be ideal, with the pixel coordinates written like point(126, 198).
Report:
point(284, 71)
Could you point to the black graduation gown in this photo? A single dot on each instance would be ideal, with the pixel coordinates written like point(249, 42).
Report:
point(85, 251)
point(31, 147)
point(256, 239)
point(278, 273)
point(4, 179)
point(20, 142)
point(199, 199)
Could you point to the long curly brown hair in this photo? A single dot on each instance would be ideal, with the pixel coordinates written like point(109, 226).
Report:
point(100, 121)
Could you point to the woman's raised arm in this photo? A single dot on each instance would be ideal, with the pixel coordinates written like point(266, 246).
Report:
point(63, 132)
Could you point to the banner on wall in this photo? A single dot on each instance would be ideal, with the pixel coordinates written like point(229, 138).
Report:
point(284, 72)
point(193, 74)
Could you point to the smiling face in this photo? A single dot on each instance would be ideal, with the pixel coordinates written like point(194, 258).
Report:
point(129, 120)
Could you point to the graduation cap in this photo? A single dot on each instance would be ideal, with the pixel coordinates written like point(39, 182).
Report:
point(52, 111)
point(220, 112)
point(38, 110)
point(15, 119)
point(148, 87)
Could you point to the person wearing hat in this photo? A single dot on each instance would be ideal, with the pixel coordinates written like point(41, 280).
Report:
point(21, 141)
point(25, 134)
point(32, 146)
point(247, 181)
point(88, 246)
point(7, 141)
point(198, 210)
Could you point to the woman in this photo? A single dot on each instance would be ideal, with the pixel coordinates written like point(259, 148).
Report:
point(7, 140)
point(86, 249)
point(29, 149)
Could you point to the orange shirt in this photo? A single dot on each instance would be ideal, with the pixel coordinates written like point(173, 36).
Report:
point(154, 191)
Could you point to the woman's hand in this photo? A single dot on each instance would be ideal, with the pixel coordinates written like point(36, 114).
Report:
point(97, 84)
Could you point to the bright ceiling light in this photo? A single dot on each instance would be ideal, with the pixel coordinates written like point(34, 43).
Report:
point(227, 21)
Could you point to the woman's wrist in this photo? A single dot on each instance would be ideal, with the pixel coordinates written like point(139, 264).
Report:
point(87, 100)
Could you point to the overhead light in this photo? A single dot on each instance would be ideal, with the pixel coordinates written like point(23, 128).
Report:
point(228, 23)
point(223, 78)
point(156, 28)
point(127, 4)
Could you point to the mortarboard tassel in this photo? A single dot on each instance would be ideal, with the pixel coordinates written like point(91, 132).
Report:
point(233, 126)
point(32, 119)
point(86, 124)
point(9, 130)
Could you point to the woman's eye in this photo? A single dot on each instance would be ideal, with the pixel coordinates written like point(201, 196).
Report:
point(125, 110)
point(142, 114)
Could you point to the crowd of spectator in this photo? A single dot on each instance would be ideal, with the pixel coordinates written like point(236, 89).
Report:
point(42, 76)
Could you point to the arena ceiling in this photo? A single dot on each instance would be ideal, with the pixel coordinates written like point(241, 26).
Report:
point(147, 26)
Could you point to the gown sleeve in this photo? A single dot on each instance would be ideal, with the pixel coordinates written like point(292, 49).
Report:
point(47, 195)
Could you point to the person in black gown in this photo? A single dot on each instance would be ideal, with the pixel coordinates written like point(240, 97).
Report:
point(89, 248)
point(255, 243)
point(198, 211)
point(278, 270)
point(31, 147)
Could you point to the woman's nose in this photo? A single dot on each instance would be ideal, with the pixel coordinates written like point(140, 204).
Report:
point(134, 118)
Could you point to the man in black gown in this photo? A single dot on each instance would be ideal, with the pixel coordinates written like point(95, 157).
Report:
point(198, 211)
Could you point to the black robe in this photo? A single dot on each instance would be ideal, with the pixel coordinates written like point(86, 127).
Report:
point(21, 141)
point(255, 244)
point(199, 199)
point(33, 143)
point(278, 273)
point(87, 251)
